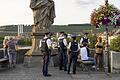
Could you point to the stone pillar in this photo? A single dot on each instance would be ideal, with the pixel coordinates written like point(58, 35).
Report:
point(34, 52)
point(36, 36)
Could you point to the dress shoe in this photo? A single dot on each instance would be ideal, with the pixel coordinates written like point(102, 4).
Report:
point(47, 75)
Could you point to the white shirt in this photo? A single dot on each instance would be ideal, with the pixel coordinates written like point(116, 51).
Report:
point(83, 53)
point(49, 42)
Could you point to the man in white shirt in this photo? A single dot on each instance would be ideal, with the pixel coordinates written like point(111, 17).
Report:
point(46, 45)
point(63, 51)
point(84, 55)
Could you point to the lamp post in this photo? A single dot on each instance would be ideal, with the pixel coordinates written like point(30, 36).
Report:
point(107, 45)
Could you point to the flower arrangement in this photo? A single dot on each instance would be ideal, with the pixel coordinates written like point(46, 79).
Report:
point(105, 15)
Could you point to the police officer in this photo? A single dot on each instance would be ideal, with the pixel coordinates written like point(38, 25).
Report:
point(74, 48)
point(85, 40)
point(46, 53)
point(63, 51)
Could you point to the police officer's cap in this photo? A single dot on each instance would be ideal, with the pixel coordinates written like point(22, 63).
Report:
point(73, 36)
point(86, 33)
point(47, 33)
point(65, 35)
point(62, 32)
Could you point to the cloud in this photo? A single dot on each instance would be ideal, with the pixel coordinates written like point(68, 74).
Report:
point(85, 2)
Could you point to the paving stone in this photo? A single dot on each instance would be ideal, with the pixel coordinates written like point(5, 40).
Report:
point(35, 73)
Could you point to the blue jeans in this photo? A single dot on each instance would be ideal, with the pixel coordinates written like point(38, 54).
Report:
point(12, 57)
point(92, 59)
point(46, 60)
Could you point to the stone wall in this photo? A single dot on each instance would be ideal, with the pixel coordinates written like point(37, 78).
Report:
point(20, 54)
point(115, 62)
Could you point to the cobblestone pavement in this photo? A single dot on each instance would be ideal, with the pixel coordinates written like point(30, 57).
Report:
point(34, 73)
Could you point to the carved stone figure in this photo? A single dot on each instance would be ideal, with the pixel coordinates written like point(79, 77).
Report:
point(43, 13)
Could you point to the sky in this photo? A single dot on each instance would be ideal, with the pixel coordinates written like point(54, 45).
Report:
point(13, 12)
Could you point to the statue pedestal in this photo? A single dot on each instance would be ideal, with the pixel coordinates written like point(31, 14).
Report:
point(34, 53)
point(33, 56)
point(35, 50)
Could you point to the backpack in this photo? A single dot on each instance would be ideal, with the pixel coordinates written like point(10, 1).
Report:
point(11, 45)
point(74, 46)
point(44, 47)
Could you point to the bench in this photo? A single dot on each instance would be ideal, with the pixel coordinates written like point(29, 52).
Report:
point(85, 65)
point(4, 62)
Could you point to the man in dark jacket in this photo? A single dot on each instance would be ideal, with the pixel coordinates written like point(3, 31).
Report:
point(74, 48)
point(63, 51)
point(46, 53)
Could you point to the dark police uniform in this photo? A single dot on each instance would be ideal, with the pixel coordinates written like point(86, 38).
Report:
point(62, 55)
point(74, 47)
point(46, 55)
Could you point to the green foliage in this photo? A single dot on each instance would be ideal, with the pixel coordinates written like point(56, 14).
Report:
point(54, 39)
point(1, 40)
point(93, 40)
point(25, 42)
point(77, 38)
point(115, 44)
point(71, 29)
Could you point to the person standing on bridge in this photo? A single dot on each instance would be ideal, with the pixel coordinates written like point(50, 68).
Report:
point(45, 46)
point(5, 46)
point(74, 48)
point(12, 52)
point(62, 41)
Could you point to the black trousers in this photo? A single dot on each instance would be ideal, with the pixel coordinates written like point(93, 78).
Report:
point(63, 59)
point(46, 60)
point(72, 58)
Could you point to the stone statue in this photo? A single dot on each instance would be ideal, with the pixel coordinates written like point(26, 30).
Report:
point(43, 13)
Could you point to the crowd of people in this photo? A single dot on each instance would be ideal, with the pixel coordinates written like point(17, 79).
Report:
point(69, 51)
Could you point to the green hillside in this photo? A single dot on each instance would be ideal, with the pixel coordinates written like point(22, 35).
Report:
point(70, 28)
point(79, 28)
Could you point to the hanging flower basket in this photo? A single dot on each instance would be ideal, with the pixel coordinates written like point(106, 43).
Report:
point(105, 15)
